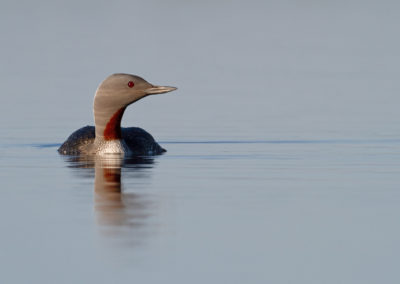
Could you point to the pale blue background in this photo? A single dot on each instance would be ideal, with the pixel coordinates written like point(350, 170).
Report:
point(314, 83)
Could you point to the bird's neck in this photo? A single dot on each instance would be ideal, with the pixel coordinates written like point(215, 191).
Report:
point(108, 124)
point(108, 132)
point(107, 118)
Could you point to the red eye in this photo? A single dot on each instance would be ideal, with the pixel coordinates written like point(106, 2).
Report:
point(131, 84)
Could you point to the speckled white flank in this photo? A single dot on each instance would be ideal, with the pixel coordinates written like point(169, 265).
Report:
point(105, 147)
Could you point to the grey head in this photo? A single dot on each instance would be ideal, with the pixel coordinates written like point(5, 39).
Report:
point(113, 95)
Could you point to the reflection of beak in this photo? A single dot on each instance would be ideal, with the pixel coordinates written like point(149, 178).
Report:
point(159, 90)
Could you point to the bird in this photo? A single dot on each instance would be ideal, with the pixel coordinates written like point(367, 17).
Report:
point(112, 97)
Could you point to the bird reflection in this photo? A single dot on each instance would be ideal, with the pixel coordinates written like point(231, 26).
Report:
point(118, 213)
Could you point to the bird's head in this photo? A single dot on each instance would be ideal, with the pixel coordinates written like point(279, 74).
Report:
point(120, 90)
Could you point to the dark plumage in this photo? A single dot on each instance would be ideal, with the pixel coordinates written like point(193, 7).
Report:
point(137, 139)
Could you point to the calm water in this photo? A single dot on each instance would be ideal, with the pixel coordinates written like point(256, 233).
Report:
point(283, 162)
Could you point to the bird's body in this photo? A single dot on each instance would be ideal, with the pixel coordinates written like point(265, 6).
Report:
point(135, 141)
point(112, 97)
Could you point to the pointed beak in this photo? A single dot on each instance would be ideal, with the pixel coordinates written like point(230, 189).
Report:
point(159, 90)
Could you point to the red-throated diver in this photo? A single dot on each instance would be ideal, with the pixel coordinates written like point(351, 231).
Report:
point(112, 97)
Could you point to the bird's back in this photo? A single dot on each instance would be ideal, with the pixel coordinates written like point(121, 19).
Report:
point(140, 142)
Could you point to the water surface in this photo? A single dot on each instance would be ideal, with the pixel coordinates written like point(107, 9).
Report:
point(231, 211)
point(283, 162)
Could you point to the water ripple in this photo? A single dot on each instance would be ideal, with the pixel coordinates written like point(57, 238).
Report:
point(286, 141)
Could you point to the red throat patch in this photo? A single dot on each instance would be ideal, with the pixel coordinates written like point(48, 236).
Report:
point(113, 127)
